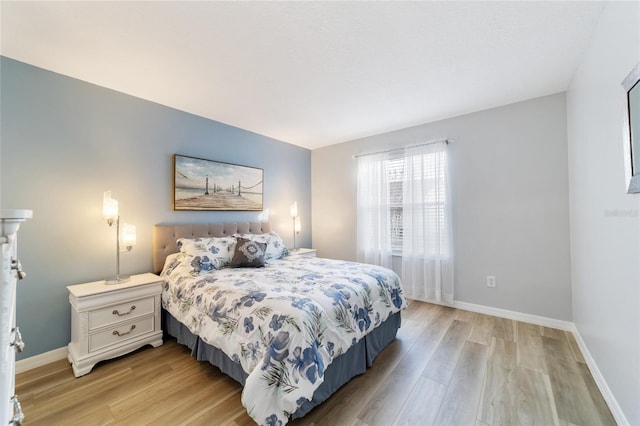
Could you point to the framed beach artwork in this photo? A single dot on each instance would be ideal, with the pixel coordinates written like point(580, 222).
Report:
point(200, 184)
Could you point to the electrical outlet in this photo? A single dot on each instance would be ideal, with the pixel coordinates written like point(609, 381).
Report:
point(491, 281)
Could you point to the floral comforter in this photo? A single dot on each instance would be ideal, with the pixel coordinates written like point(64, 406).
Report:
point(284, 323)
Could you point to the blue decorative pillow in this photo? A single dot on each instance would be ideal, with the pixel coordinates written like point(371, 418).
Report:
point(248, 254)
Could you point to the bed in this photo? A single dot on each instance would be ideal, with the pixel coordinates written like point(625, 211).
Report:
point(291, 332)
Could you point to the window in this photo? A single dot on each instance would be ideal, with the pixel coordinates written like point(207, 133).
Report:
point(394, 170)
point(428, 168)
point(404, 209)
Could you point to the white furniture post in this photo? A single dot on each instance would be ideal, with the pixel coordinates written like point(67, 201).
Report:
point(10, 339)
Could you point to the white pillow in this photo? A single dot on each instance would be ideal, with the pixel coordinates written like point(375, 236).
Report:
point(209, 253)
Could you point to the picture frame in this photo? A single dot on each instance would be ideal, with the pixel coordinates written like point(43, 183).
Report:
point(631, 86)
point(206, 185)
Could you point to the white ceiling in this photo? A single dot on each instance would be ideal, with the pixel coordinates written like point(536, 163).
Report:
point(309, 73)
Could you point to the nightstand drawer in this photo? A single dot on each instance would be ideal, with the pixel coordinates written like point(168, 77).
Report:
point(120, 332)
point(118, 313)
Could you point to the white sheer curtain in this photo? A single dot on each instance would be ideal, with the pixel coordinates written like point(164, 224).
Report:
point(373, 234)
point(427, 258)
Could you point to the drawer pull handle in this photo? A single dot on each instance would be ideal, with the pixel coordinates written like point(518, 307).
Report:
point(116, 312)
point(18, 416)
point(117, 333)
point(17, 266)
point(18, 343)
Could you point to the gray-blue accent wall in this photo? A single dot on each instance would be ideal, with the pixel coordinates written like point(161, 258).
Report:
point(64, 142)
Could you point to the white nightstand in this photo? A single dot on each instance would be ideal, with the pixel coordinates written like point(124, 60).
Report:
point(305, 252)
point(110, 320)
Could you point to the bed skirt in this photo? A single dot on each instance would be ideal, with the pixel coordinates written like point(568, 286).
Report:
point(343, 368)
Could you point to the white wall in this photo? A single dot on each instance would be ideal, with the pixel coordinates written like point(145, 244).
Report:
point(605, 223)
point(510, 201)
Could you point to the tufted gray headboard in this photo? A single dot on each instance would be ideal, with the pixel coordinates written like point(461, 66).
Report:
point(165, 236)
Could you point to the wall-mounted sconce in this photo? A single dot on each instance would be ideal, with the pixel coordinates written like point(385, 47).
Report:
point(296, 223)
point(110, 213)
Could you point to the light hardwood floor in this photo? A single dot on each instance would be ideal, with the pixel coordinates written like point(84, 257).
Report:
point(447, 367)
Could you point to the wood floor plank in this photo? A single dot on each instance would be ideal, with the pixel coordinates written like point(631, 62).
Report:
point(422, 404)
point(412, 310)
point(504, 329)
point(465, 316)
point(556, 348)
point(32, 390)
point(460, 403)
point(75, 398)
point(482, 330)
point(498, 398)
point(242, 420)
point(422, 312)
point(439, 324)
point(96, 416)
point(533, 398)
point(152, 381)
point(235, 413)
point(552, 333)
point(225, 411)
point(443, 362)
point(180, 407)
point(552, 402)
point(530, 349)
point(166, 391)
point(38, 374)
point(503, 353)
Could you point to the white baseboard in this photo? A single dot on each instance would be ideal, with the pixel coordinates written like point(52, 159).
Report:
point(40, 360)
point(513, 315)
point(611, 401)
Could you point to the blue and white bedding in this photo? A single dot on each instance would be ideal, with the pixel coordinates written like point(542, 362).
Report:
point(284, 323)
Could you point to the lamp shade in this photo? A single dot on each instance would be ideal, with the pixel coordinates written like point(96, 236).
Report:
point(294, 209)
point(128, 235)
point(109, 207)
